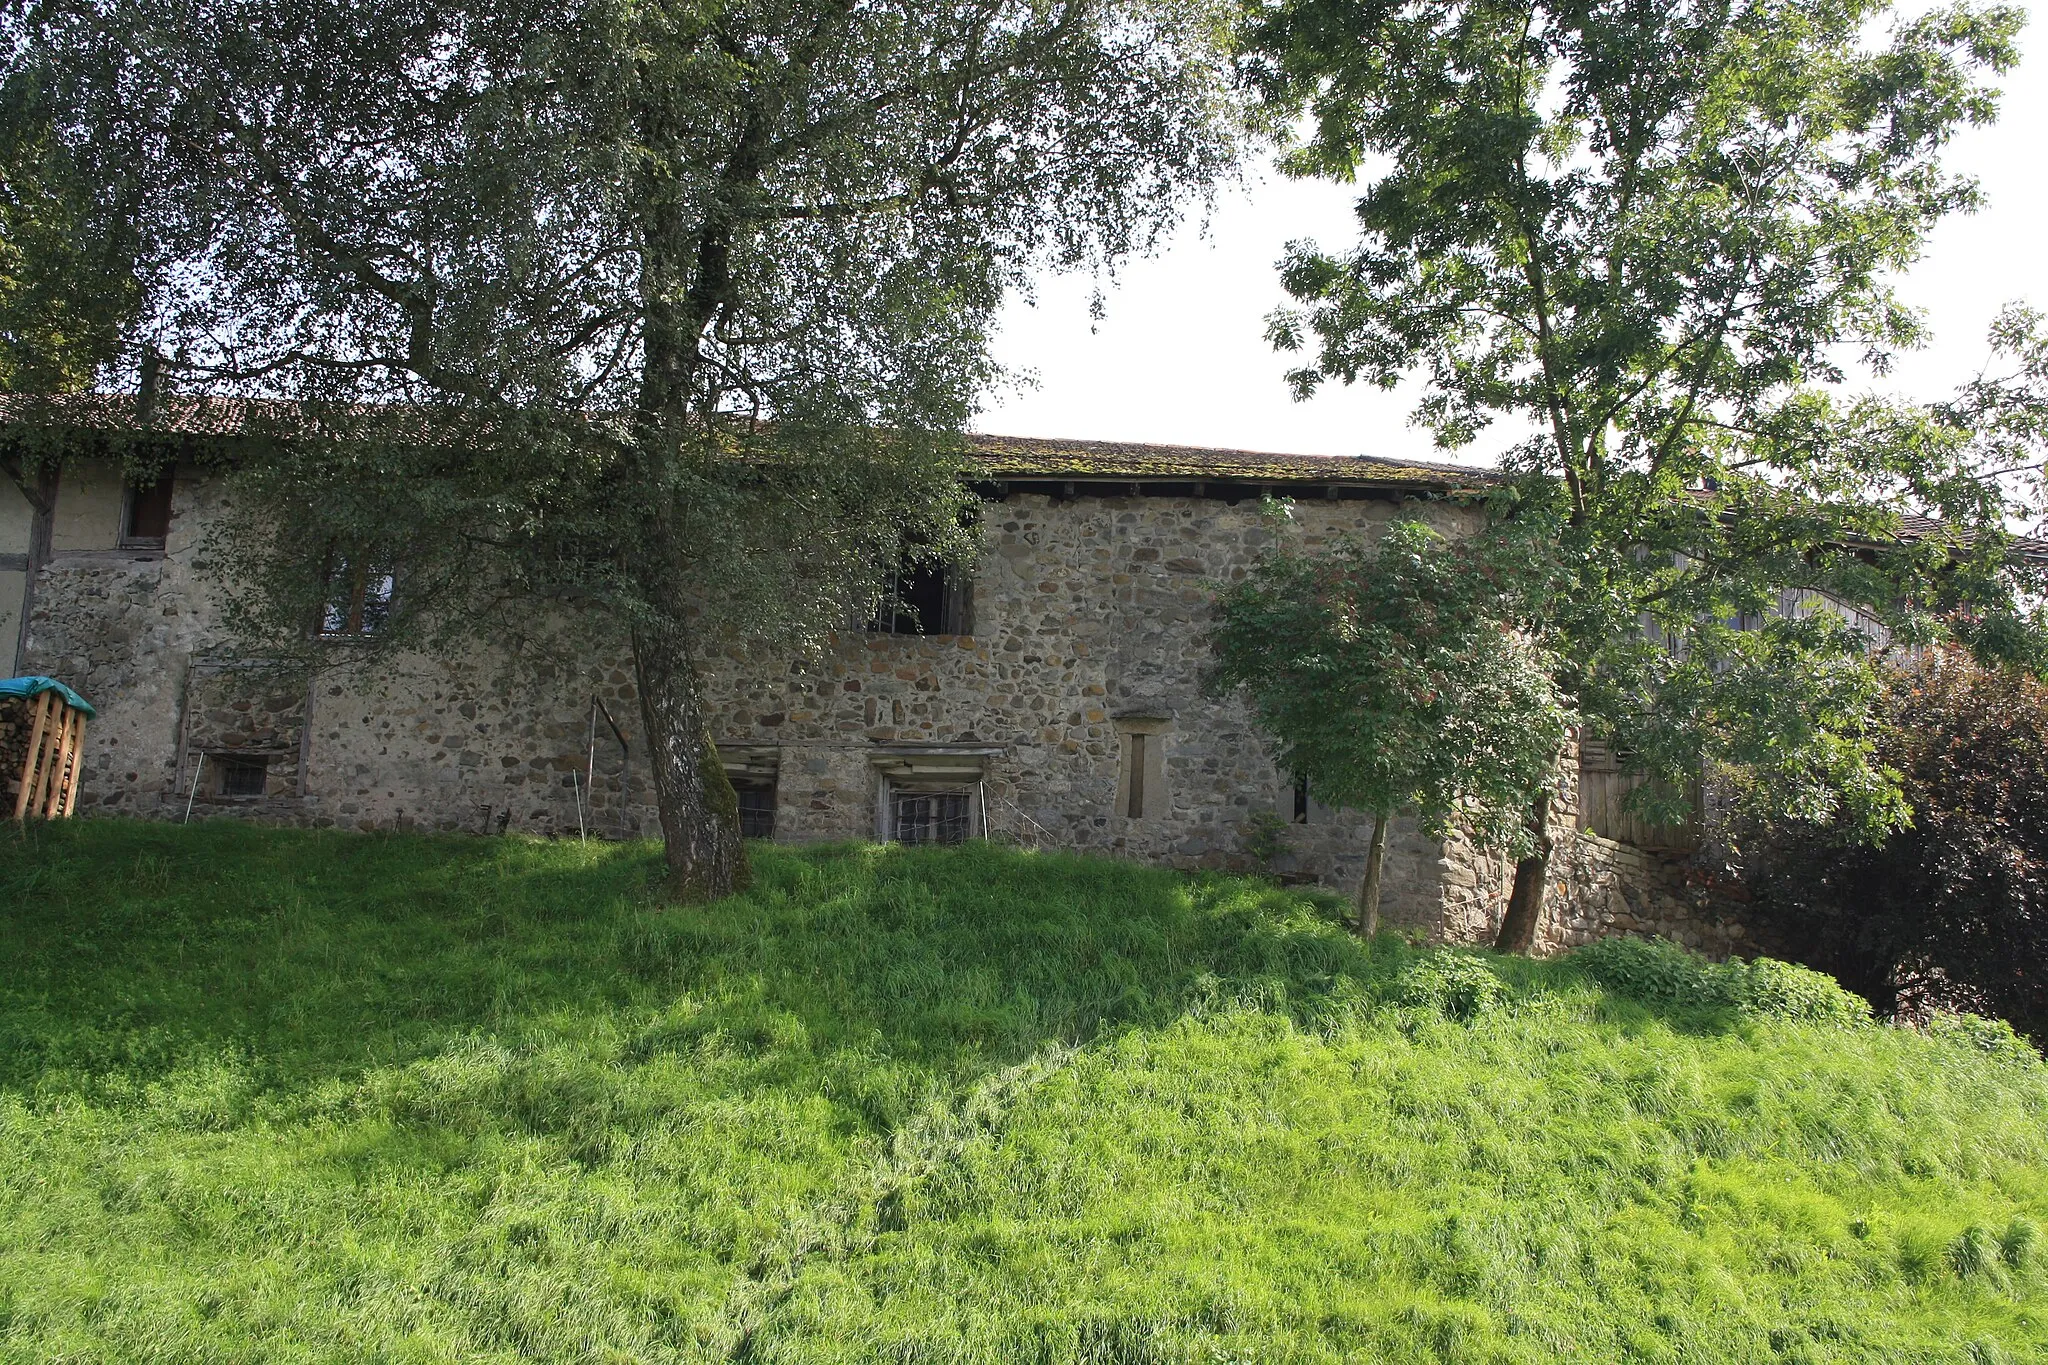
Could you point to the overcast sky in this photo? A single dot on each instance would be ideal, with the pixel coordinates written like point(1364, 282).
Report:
point(1181, 358)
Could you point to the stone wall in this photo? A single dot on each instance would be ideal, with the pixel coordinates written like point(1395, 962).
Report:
point(1599, 888)
point(1089, 619)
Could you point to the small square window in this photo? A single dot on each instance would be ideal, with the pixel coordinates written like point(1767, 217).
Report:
point(240, 774)
point(146, 514)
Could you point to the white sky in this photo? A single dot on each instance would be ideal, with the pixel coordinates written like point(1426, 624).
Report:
point(1181, 357)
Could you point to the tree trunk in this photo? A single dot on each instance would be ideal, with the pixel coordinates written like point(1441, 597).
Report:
point(1532, 875)
point(700, 816)
point(1369, 889)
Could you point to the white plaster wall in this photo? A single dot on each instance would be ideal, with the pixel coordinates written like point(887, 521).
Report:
point(13, 583)
point(88, 515)
point(15, 519)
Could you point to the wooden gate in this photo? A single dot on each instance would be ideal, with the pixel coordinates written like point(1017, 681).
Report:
point(1603, 789)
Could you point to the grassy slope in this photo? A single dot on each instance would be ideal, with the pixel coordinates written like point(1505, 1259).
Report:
point(279, 1096)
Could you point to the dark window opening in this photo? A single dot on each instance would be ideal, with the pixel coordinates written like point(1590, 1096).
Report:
point(146, 514)
point(927, 599)
point(1134, 786)
point(757, 809)
point(930, 817)
point(357, 600)
point(240, 774)
point(1300, 800)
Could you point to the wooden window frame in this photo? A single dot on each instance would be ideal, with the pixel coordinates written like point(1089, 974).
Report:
point(895, 616)
point(131, 494)
point(915, 773)
point(354, 598)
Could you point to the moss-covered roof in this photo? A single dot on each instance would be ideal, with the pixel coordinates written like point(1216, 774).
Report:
point(1036, 457)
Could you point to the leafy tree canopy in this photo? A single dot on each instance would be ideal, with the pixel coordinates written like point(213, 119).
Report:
point(67, 271)
point(1392, 675)
point(665, 309)
point(1656, 235)
point(67, 282)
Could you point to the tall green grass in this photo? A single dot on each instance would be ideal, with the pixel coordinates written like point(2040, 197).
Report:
point(270, 1095)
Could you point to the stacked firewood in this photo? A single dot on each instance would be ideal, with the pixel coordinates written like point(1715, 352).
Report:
point(14, 726)
point(49, 756)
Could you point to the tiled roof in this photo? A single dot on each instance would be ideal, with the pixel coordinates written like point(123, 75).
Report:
point(177, 415)
point(1008, 457)
point(1029, 457)
point(1913, 526)
point(993, 457)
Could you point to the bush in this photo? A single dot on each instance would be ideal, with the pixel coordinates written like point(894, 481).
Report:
point(1951, 913)
point(1992, 1036)
point(1653, 970)
point(1659, 972)
point(1767, 988)
point(1457, 985)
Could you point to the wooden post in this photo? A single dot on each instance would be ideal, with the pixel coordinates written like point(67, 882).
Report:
point(77, 763)
point(29, 770)
point(60, 762)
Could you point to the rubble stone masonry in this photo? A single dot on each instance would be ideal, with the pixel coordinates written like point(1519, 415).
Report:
point(1086, 657)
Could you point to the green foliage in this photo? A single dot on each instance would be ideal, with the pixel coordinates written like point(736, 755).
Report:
point(661, 321)
point(1265, 838)
point(1646, 233)
point(1953, 911)
point(1660, 972)
point(67, 250)
point(271, 1095)
point(1993, 1037)
point(1653, 970)
point(1768, 988)
point(1456, 985)
point(681, 307)
point(1391, 676)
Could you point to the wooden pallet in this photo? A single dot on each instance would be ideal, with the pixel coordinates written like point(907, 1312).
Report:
point(47, 784)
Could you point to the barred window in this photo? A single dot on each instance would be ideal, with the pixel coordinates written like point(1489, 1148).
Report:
point(240, 774)
point(757, 809)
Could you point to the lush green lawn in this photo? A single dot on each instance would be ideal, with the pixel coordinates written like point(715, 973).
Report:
point(270, 1095)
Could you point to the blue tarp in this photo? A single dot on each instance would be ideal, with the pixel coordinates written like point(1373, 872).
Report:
point(28, 687)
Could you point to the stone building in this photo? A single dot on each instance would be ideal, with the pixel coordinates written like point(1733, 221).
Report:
point(1053, 698)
